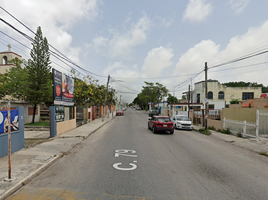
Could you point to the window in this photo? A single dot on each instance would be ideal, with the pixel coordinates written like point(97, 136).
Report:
point(247, 95)
point(4, 60)
point(221, 95)
point(198, 98)
point(210, 95)
point(211, 106)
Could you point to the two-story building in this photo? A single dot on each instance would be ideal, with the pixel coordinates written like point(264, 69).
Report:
point(219, 95)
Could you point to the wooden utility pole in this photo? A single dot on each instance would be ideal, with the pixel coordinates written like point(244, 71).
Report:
point(206, 95)
point(105, 97)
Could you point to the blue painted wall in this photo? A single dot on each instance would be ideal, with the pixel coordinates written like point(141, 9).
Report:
point(17, 137)
point(53, 124)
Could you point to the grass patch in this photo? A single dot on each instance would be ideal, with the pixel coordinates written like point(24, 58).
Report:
point(38, 124)
point(203, 131)
point(264, 153)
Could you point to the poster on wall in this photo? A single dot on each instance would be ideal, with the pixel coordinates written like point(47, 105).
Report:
point(59, 113)
point(63, 89)
point(14, 118)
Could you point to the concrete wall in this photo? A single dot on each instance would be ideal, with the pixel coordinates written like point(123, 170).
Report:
point(217, 124)
point(65, 126)
point(240, 114)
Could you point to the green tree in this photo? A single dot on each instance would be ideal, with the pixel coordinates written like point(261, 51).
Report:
point(172, 99)
point(39, 79)
point(152, 92)
point(234, 101)
point(13, 82)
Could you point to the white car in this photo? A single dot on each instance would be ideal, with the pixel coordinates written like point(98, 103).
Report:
point(182, 122)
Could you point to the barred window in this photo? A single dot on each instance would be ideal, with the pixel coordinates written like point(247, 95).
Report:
point(210, 95)
point(221, 95)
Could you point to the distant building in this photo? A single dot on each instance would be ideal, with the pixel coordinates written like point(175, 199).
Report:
point(220, 95)
point(5, 57)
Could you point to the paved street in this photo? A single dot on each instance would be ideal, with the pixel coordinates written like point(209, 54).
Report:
point(125, 160)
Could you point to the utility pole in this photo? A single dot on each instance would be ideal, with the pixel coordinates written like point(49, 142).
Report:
point(105, 97)
point(206, 95)
point(189, 102)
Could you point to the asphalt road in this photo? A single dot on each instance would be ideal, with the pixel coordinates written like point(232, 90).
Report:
point(125, 160)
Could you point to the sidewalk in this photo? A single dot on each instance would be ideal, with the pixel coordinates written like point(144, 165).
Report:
point(30, 162)
point(247, 143)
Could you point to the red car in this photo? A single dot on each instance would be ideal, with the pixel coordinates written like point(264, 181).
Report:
point(119, 112)
point(161, 123)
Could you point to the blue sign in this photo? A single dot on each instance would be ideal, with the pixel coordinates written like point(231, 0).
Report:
point(14, 118)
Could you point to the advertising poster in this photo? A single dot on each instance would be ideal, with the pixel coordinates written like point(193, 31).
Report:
point(14, 119)
point(67, 89)
point(57, 78)
point(59, 113)
point(63, 90)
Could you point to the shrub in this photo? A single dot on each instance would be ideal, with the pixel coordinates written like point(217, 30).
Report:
point(226, 131)
point(239, 135)
point(203, 131)
point(211, 128)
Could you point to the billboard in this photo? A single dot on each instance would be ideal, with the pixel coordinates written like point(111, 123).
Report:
point(63, 89)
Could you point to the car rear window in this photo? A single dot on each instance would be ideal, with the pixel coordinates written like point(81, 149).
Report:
point(163, 119)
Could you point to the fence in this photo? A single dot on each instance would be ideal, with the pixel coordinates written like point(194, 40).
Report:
point(81, 115)
point(248, 129)
point(262, 124)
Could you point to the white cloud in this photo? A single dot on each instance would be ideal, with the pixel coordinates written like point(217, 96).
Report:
point(197, 10)
point(238, 5)
point(119, 69)
point(157, 60)
point(56, 18)
point(193, 61)
point(121, 43)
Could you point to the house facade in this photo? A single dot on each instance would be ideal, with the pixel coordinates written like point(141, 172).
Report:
point(220, 95)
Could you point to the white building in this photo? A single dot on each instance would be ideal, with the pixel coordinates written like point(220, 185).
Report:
point(220, 95)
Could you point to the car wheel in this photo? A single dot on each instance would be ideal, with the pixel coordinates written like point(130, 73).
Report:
point(171, 132)
point(154, 129)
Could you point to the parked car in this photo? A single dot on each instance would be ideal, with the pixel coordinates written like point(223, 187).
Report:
point(182, 122)
point(153, 112)
point(161, 123)
point(119, 113)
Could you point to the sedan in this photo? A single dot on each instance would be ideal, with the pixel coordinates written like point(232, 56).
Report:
point(182, 122)
point(161, 123)
point(119, 113)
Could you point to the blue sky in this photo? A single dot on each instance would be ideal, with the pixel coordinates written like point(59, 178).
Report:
point(156, 41)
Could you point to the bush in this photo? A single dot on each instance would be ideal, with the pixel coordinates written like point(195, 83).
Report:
point(203, 131)
point(226, 131)
point(211, 128)
point(239, 135)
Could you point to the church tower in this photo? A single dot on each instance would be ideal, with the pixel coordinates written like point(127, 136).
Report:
point(5, 57)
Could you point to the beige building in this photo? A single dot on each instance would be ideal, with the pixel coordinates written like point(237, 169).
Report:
point(5, 57)
point(220, 95)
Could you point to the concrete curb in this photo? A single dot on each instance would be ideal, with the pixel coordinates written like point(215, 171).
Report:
point(26, 180)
